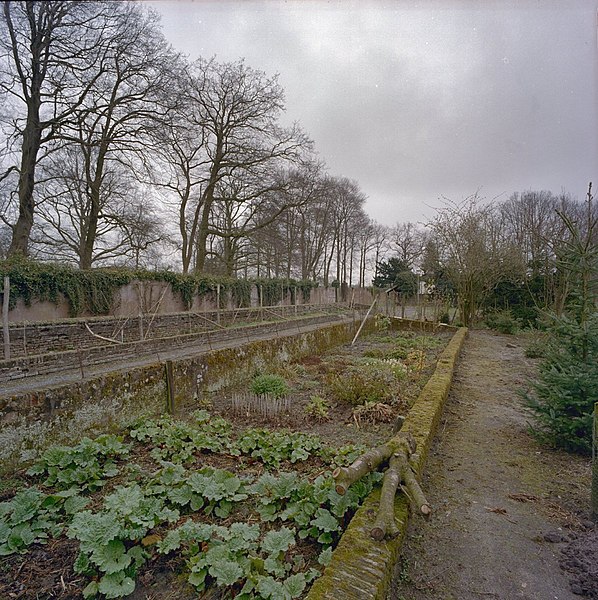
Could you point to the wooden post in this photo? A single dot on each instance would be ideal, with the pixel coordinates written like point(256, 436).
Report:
point(595, 465)
point(218, 303)
point(5, 328)
point(170, 405)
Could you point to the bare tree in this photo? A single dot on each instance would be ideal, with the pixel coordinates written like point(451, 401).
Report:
point(240, 108)
point(408, 241)
point(472, 250)
point(124, 104)
point(47, 52)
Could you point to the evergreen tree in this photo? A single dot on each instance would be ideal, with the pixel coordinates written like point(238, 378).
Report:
point(563, 397)
point(396, 273)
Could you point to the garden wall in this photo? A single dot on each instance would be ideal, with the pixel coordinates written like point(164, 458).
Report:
point(362, 567)
point(28, 339)
point(84, 358)
point(149, 297)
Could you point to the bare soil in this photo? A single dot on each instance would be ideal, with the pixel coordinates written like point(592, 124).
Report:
point(511, 516)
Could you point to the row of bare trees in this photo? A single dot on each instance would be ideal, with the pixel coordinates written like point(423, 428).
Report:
point(117, 149)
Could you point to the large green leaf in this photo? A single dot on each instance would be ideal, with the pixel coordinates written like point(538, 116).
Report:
point(295, 584)
point(226, 572)
point(278, 541)
point(112, 557)
point(325, 521)
point(116, 585)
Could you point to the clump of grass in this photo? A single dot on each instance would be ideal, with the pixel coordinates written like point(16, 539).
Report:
point(269, 384)
point(373, 412)
point(374, 382)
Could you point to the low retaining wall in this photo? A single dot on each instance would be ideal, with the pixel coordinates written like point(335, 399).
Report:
point(145, 387)
point(102, 353)
point(41, 337)
point(362, 568)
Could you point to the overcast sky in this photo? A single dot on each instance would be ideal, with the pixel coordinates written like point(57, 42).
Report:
point(421, 99)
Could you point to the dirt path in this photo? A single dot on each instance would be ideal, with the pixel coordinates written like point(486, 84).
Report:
point(504, 505)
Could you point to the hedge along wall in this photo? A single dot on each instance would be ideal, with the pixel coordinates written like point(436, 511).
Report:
point(43, 291)
point(143, 390)
point(362, 568)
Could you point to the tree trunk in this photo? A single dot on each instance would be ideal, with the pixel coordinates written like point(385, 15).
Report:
point(595, 465)
point(30, 148)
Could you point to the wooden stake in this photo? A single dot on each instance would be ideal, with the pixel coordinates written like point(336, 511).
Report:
point(595, 465)
point(170, 405)
point(5, 328)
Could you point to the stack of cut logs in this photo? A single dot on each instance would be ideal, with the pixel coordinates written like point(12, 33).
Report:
point(399, 456)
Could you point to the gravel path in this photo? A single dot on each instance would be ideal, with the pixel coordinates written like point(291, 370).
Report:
point(502, 502)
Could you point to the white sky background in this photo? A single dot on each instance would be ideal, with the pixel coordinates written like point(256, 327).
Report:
point(421, 99)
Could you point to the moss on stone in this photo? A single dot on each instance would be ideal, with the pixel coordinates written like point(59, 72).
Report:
point(362, 567)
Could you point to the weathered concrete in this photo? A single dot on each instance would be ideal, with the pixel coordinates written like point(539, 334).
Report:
point(207, 369)
point(361, 568)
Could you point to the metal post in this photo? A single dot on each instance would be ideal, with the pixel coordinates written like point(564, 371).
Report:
point(5, 328)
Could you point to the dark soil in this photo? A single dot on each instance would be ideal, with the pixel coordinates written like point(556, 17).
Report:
point(44, 572)
point(580, 561)
point(308, 377)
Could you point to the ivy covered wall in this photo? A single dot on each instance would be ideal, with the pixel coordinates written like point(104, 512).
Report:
point(99, 291)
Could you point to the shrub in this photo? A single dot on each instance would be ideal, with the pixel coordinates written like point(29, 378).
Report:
point(373, 382)
point(563, 397)
point(269, 384)
point(502, 321)
point(536, 347)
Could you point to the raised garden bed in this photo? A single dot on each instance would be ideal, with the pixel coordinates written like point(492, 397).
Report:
point(235, 500)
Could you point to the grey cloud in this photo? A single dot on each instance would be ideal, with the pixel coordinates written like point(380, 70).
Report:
point(415, 100)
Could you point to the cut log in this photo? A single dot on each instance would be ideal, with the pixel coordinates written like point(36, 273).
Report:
point(371, 460)
point(385, 525)
point(414, 491)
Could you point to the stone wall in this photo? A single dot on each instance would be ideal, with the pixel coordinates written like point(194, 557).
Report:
point(97, 352)
point(149, 297)
point(144, 388)
point(35, 338)
point(362, 567)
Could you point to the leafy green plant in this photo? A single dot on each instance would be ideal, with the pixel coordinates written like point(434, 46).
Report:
point(273, 447)
point(235, 556)
point(86, 465)
point(270, 385)
point(109, 539)
point(32, 517)
point(179, 441)
point(318, 408)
